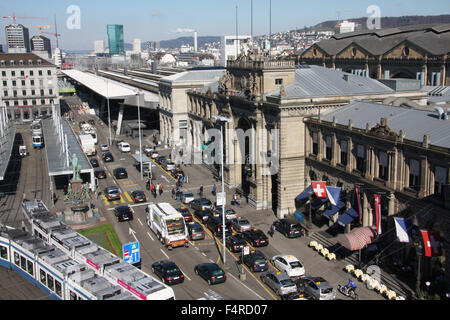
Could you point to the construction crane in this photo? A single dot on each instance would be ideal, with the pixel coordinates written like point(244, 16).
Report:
point(55, 34)
point(14, 17)
point(339, 16)
point(40, 28)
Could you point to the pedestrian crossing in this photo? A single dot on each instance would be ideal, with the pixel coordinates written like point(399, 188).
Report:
point(124, 198)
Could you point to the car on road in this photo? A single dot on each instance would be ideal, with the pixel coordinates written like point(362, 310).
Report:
point(317, 287)
point(256, 261)
point(279, 282)
point(255, 237)
point(147, 149)
point(200, 204)
point(100, 174)
point(168, 271)
point(177, 173)
point(154, 154)
point(124, 146)
point(104, 147)
point(159, 160)
point(185, 213)
point(168, 165)
point(229, 212)
point(187, 197)
point(107, 157)
point(289, 228)
point(94, 162)
point(120, 173)
point(195, 231)
point(215, 225)
point(240, 224)
point(112, 193)
point(235, 243)
point(138, 196)
point(211, 272)
point(288, 264)
point(123, 213)
point(202, 215)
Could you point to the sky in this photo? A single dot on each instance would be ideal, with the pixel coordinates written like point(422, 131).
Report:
point(80, 22)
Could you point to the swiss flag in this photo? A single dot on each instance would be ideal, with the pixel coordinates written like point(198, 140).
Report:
point(320, 189)
point(431, 242)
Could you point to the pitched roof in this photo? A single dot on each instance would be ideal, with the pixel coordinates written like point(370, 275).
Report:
point(25, 58)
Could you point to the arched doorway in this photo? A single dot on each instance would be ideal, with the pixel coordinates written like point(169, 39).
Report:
point(245, 160)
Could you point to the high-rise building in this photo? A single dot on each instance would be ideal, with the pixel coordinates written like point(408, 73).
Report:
point(17, 38)
point(346, 26)
point(232, 46)
point(99, 46)
point(136, 45)
point(115, 39)
point(41, 46)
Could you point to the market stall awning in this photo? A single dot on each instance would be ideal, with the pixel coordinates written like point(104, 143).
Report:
point(317, 203)
point(304, 196)
point(357, 239)
point(347, 217)
point(332, 210)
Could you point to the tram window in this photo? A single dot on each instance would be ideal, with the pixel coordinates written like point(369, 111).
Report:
point(16, 259)
point(23, 263)
point(30, 267)
point(50, 283)
point(58, 288)
point(43, 276)
point(3, 252)
point(73, 295)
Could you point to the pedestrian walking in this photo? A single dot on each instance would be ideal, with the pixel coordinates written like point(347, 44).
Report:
point(201, 191)
point(213, 189)
point(271, 230)
point(173, 193)
point(161, 189)
point(157, 188)
point(238, 199)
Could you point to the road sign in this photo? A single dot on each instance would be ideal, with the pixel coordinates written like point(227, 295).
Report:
point(221, 198)
point(131, 252)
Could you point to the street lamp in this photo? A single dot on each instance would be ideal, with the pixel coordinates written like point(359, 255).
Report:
point(222, 119)
point(138, 94)
point(109, 113)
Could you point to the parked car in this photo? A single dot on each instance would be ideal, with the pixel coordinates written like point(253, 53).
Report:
point(196, 231)
point(124, 146)
point(147, 149)
point(185, 213)
point(123, 213)
point(159, 160)
point(289, 228)
point(256, 261)
point(279, 282)
point(229, 212)
point(235, 242)
point(107, 157)
point(100, 174)
point(202, 215)
point(168, 271)
point(177, 173)
point(154, 154)
point(168, 165)
point(255, 237)
point(317, 287)
point(240, 224)
point(187, 197)
point(112, 193)
point(211, 272)
point(138, 196)
point(288, 264)
point(215, 225)
point(120, 173)
point(94, 162)
point(200, 204)
point(104, 147)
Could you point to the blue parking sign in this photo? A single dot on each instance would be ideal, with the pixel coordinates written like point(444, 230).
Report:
point(130, 252)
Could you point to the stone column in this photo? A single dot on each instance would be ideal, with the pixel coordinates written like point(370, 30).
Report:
point(119, 120)
point(391, 204)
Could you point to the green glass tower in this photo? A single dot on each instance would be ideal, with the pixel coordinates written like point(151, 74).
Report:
point(115, 38)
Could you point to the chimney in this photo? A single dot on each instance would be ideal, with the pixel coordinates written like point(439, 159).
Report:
point(195, 41)
point(426, 141)
point(383, 122)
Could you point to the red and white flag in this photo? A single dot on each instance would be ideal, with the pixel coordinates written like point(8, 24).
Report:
point(432, 243)
point(378, 213)
point(320, 189)
point(358, 198)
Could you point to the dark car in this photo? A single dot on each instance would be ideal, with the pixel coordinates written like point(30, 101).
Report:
point(255, 237)
point(159, 160)
point(120, 173)
point(215, 225)
point(177, 173)
point(138, 196)
point(235, 242)
point(112, 193)
point(202, 215)
point(196, 231)
point(201, 203)
point(123, 213)
point(211, 272)
point(289, 228)
point(256, 260)
point(107, 157)
point(185, 213)
point(100, 174)
point(94, 162)
point(168, 271)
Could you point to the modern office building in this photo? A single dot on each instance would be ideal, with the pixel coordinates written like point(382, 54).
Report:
point(115, 39)
point(41, 46)
point(232, 46)
point(99, 46)
point(136, 45)
point(29, 85)
point(17, 38)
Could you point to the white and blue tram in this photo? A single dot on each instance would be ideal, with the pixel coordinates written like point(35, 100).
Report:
point(37, 140)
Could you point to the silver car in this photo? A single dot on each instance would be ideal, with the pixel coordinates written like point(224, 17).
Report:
point(241, 225)
point(279, 282)
point(318, 288)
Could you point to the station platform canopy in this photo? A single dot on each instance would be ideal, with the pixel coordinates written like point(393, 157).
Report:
point(56, 159)
point(137, 157)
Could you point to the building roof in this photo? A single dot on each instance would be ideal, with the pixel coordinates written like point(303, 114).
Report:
point(193, 76)
point(25, 58)
point(415, 122)
point(434, 39)
point(315, 81)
